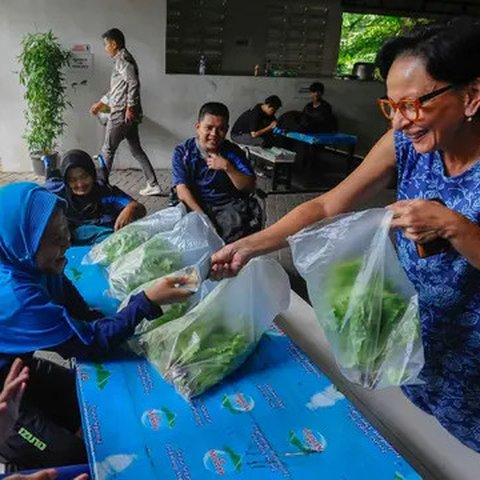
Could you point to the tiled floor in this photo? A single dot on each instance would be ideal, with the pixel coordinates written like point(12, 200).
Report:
point(277, 204)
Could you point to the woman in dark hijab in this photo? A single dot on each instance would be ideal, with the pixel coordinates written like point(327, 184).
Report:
point(94, 208)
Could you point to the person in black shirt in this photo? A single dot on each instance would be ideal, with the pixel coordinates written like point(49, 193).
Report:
point(318, 113)
point(254, 127)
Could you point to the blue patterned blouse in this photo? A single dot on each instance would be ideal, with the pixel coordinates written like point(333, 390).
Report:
point(449, 297)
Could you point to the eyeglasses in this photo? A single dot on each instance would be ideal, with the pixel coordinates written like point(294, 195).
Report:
point(409, 107)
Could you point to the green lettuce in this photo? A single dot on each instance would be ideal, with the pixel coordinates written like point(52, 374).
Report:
point(369, 324)
point(119, 244)
point(154, 259)
point(194, 352)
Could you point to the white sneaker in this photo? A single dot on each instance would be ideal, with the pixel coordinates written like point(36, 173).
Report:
point(151, 190)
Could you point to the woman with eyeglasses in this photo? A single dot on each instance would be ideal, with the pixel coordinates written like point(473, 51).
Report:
point(433, 149)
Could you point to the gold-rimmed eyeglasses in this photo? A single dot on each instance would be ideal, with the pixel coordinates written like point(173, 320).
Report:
point(409, 107)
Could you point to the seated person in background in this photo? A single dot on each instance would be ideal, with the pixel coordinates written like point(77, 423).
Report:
point(94, 208)
point(212, 175)
point(42, 310)
point(254, 127)
point(319, 115)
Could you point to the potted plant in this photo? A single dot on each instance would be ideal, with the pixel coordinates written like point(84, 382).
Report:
point(43, 61)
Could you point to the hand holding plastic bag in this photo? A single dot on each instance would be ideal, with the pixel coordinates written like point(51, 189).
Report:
point(198, 350)
point(135, 234)
point(192, 238)
point(199, 288)
point(362, 297)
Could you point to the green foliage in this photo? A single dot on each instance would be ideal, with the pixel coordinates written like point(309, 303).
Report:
point(363, 35)
point(42, 63)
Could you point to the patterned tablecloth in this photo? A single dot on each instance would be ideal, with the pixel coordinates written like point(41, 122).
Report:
point(277, 417)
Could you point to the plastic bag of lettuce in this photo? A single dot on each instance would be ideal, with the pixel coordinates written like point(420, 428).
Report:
point(200, 289)
point(196, 351)
point(191, 238)
point(133, 235)
point(362, 298)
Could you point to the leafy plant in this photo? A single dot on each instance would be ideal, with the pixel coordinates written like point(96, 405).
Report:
point(42, 63)
point(363, 35)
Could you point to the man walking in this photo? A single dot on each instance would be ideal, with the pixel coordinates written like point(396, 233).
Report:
point(123, 99)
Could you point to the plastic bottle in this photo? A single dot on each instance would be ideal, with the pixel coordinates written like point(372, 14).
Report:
point(202, 65)
point(268, 68)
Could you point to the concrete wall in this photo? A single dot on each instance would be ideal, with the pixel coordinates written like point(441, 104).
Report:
point(170, 101)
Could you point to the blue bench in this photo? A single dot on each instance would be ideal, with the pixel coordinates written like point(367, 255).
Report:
point(325, 139)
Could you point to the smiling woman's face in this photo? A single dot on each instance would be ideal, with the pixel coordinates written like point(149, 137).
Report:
point(80, 181)
point(439, 119)
point(50, 257)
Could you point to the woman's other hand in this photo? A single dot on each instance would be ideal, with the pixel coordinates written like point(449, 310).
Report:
point(421, 220)
point(168, 290)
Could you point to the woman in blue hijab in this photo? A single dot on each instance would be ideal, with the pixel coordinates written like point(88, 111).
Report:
point(41, 309)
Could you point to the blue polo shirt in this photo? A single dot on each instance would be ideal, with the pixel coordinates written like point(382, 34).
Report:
point(209, 187)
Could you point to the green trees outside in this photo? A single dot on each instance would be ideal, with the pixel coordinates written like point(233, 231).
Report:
point(363, 35)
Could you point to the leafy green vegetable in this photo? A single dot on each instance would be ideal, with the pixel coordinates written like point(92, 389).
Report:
point(194, 352)
point(119, 244)
point(154, 259)
point(369, 324)
point(170, 312)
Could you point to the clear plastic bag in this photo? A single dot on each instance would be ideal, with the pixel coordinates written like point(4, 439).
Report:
point(362, 298)
point(198, 286)
point(133, 235)
point(198, 350)
point(192, 238)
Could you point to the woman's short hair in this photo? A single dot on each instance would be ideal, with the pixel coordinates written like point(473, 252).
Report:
point(450, 52)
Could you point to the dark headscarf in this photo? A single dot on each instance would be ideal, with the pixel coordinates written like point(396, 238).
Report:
point(85, 206)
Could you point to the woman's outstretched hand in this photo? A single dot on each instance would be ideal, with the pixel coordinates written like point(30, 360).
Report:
point(229, 260)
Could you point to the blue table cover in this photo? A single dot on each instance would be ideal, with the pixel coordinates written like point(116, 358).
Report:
point(277, 417)
point(319, 138)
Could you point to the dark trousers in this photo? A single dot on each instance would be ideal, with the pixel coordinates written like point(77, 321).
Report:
point(236, 219)
point(44, 434)
point(118, 130)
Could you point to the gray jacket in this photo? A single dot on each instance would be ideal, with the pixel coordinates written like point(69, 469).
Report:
point(124, 85)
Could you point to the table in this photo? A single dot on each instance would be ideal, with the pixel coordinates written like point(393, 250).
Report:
point(325, 139)
point(280, 160)
point(277, 417)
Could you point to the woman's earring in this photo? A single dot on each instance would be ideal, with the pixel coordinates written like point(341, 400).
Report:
point(469, 119)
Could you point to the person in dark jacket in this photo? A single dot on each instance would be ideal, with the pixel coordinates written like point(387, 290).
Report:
point(318, 112)
point(94, 208)
point(42, 310)
point(255, 126)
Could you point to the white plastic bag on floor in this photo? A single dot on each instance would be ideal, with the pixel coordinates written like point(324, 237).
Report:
point(133, 235)
point(362, 297)
point(192, 238)
point(198, 350)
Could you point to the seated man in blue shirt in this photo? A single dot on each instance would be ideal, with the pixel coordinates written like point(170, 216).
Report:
point(213, 176)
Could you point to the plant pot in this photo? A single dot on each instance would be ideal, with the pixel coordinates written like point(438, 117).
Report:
point(38, 163)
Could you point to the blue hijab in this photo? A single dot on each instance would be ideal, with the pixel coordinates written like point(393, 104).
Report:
point(31, 314)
